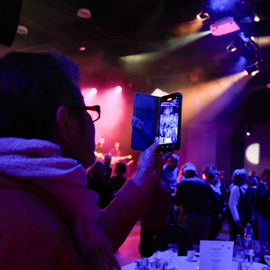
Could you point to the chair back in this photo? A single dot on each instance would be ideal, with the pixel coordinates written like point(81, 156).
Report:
point(173, 234)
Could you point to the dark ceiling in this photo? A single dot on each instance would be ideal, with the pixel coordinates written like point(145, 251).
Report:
point(119, 28)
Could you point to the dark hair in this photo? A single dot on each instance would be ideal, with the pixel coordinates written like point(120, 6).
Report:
point(120, 168)
point(98, 170)
point(266, 171)
point(210, 172)
point(190, 173)
point(240, 176)
point(253, 180)
point(32, 87)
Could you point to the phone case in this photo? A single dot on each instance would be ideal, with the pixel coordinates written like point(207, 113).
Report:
point(144, 120)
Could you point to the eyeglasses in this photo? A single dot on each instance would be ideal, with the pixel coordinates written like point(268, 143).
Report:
point(94, 111)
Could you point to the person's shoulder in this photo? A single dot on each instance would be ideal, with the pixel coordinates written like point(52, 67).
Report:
point(197, 181)
point(235, 189)
point(21, 208)
point(36, 248)
point(113, 178)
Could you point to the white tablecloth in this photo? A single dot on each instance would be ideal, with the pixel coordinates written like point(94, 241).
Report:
point(181, 263)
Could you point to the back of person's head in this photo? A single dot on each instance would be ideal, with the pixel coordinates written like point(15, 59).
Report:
point(32, 87)
point(120, 168)
point(253, 181)
point(240, 176)
point(107, 159)
point(189, 170)
point(173, 161)
point(266, 176)
point(211, 174)
point(98, 170)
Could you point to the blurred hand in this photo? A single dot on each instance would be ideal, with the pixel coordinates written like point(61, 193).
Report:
point(150, 167)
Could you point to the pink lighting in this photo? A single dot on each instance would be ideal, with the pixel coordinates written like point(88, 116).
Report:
point(82, 49)
point(113, 113)
point(118, 88)
point(224, 26)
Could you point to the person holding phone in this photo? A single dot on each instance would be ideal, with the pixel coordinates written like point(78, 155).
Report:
point(49, 219)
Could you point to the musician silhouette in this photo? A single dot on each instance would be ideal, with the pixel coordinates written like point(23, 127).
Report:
point(116, 154)
point(99, 149)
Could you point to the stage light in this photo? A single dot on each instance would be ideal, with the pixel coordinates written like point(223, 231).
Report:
point(255, 68)
point(202, 16)
point(231, 47)
point(224, 26)
point(82, 49)
point(118, 88)
point(246, 46)
point(22, 30)
point(84, 13)
point(93, 90)
point(256, 18)
point(262, 41)
point(268, 85)
point(252, 70)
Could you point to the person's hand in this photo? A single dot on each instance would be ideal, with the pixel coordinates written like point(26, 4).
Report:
point(150, 167)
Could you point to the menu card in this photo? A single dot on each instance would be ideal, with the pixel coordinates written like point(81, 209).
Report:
point(216, 255)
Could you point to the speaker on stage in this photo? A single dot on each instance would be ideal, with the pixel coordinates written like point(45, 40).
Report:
point(9, 19)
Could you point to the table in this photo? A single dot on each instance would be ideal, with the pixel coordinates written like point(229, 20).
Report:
point(181, 263)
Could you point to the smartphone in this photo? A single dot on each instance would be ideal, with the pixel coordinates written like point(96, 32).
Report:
point(156, 117)
point(169, 123)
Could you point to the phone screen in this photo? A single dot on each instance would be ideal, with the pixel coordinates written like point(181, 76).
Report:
point(170, 122)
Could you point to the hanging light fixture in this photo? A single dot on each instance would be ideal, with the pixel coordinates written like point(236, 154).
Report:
point(224, 26)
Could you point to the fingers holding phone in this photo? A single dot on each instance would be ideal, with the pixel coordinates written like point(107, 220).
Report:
point(150, 166)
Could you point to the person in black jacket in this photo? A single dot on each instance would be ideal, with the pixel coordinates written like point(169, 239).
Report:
point(263, 207)
point(210, 174)
point(198, 201)
point(119, 179)
point(96, 181)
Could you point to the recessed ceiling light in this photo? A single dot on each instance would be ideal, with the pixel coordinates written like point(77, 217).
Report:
point(256, 18)
point(84, 13)
point(22, 30)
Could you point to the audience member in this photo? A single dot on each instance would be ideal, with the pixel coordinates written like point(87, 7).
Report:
point(156, 219)
point(119, 179)
point(96, 181)
point(198, 201)
point(181, 175)
point(115, 151)
point(107, 161)
point(211, 176)
point(169, 175)
point(241, 199)
point(263, 207)
point(252, 184)
point(49, 218)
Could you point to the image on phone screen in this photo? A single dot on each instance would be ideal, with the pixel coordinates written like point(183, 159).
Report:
point(168, 122)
